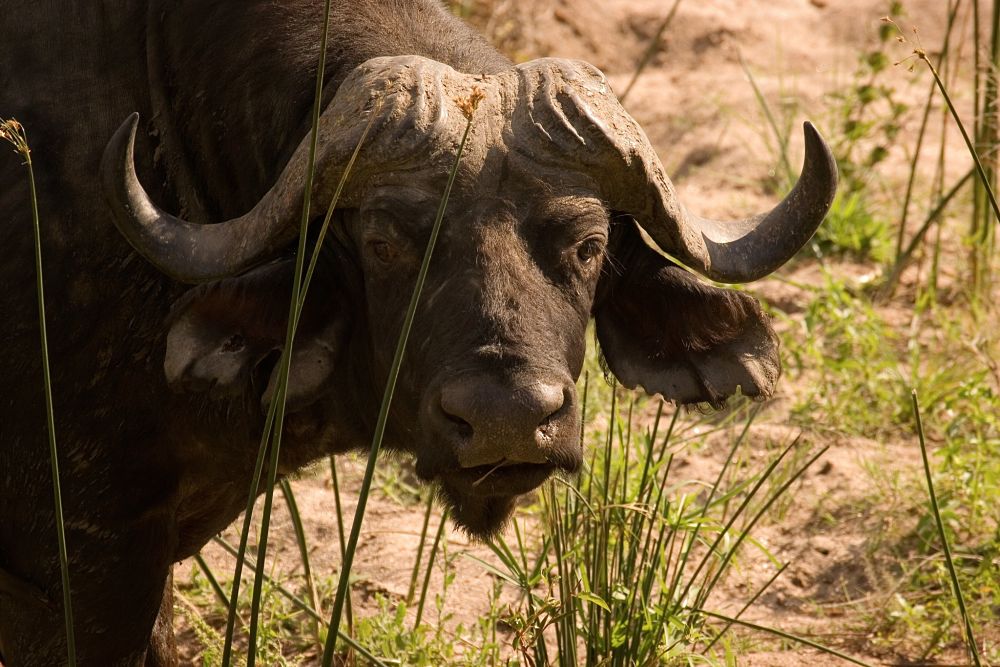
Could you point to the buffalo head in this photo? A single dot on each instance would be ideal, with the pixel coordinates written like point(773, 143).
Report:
point(541, 234)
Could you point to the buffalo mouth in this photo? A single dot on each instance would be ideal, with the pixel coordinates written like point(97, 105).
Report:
point(482, 498)
point(500, 479)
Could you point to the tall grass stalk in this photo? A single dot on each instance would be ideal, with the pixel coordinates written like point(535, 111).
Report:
point(969, 636)
point(300, 540)
point(987, 178)
point(787, 636)
point(651, 50)
point(921, 133)
point(612, 585)
point(780, 137)
point(359, 513)
point(301, 604)
point(14, 133)
point(294, 310)
point(725, 533)
point(904, 258)
point(276, 410)
point(227, 648)
point(213, 581)
point(744, 532)
point(682, 561)
point(341, 539)
point(984, 177)
point(430, 568)
point(749, 603)
point(411, 591)
point(982, 231)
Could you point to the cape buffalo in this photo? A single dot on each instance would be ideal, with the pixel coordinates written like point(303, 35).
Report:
point(159, 385)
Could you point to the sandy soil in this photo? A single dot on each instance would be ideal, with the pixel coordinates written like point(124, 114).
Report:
point(695, 103)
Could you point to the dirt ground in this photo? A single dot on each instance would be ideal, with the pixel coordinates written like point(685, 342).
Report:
point(699, 110)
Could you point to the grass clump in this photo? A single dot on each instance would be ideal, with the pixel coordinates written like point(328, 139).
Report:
point(628, 558)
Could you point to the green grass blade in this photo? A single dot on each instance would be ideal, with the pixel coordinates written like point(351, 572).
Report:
point(352, 544)
point(275, 413)
point(213, 581)
point(743, 609)
point(300, 540)
point(430, 568)
point(683, 560)
point(785, 635)
point(970, 638)
point(651, 50)
point(325, 227)
point(14, 132)
point(780, 138)
point(745, 531)
point(338, 505)
point(903, 260)
point(265, 517)
point(296, 600)
point(411, 591)
point(921, 133)
point(227, 648)
point(984, 179)
point(295, 309)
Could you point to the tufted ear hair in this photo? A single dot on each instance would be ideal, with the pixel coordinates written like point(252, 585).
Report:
point(662, 329)
point(226, 336)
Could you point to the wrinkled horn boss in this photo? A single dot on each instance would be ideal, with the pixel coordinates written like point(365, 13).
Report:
point(405, 94)
point(569, 104)
point(557, 113)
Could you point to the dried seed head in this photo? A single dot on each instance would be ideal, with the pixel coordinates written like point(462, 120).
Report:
point(13, 133)
point(468, 105)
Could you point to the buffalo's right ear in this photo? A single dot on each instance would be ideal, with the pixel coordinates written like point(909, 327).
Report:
point(662, 329)
point(226, 334)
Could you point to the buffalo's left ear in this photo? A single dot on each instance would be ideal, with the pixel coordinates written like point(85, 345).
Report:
point(662, 329)
point(226, 336)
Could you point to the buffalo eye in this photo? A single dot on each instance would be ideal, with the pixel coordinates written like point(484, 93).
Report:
point(382, 250)
point(589, 250)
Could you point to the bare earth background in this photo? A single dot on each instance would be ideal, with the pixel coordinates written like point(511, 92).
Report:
point(696, 105)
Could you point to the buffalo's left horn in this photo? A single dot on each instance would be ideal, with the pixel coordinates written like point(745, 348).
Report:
point(395, 89)
point(186, 251)
point(570, 104)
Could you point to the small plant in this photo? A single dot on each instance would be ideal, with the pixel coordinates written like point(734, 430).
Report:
point(14, 133)
point(867, 119)
point(851, 357)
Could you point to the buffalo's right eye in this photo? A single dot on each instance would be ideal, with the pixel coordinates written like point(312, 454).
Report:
point(383, 251)
point(589, 250)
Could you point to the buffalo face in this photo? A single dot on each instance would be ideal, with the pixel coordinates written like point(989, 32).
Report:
point(541, 234)
point(487, 399)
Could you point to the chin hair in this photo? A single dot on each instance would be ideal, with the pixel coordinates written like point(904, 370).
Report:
point(480, 518)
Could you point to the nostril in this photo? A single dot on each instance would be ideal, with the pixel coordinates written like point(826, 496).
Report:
point(453, 405)
point(551, 401)
point(462, 428)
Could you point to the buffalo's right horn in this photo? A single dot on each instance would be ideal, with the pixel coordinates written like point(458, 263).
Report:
point(396, 89)
point(570, 106)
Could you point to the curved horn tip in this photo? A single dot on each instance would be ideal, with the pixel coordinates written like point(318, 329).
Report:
point(125, 134)
point(118, 153)
point(818, 152)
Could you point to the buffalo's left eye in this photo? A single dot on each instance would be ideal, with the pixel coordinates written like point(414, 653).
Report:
point(383, 250)
point(589, 250)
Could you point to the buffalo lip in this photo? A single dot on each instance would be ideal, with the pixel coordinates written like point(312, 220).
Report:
point(490, 481)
